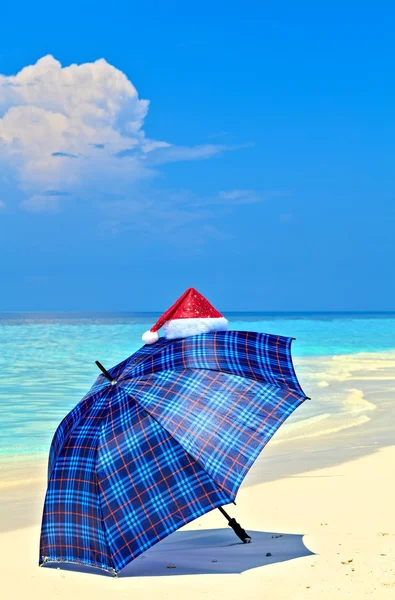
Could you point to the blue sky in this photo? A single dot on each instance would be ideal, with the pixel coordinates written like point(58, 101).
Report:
point(244, 148)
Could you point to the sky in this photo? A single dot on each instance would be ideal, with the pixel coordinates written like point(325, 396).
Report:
point(243, 148)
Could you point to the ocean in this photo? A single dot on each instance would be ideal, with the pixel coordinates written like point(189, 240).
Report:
point(47, 360)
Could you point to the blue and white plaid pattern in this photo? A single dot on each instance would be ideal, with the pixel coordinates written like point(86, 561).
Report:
point(173, 439)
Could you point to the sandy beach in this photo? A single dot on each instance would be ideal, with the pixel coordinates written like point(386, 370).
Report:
point(318, 505)
point(197, 307)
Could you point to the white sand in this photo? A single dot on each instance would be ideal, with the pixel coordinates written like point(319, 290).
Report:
point(337, 522)
point(338, 541)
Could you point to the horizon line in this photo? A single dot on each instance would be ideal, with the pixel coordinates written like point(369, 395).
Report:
point(230, 312)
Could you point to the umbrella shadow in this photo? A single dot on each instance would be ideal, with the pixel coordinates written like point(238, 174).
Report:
point(215, 551)
point(206, 551)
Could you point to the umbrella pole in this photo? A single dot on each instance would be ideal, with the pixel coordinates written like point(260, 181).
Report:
point(239, 531)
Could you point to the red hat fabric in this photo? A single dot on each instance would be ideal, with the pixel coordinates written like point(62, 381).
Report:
point(191, 314)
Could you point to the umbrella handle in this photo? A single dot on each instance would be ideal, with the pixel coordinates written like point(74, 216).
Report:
point(239, 531)
point(237, 528)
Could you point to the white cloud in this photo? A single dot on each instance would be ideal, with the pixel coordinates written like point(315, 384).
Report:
point(240, 196)
point(179, 153)
point(79, 130)
point(236, 197)
point(2, 205)
point(248, 196)
point(48, 202)
point(162, 213)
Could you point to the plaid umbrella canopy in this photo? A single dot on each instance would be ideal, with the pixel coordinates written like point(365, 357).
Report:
point(169, 438)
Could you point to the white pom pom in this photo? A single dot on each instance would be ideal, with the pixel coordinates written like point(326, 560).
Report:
point(150, 337)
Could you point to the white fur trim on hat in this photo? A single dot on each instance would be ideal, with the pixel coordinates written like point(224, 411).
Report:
point(180, 328)
point(150, 337)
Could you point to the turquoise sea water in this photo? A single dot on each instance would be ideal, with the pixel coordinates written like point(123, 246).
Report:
point(47, 360)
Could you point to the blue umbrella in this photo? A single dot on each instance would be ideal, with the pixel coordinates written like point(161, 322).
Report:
point(161, 439)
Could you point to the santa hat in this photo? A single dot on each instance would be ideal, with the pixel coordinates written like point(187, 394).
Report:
point(191, 314)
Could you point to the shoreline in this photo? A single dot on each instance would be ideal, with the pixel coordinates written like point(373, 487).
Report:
point(356, 419)
point(315, 373)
